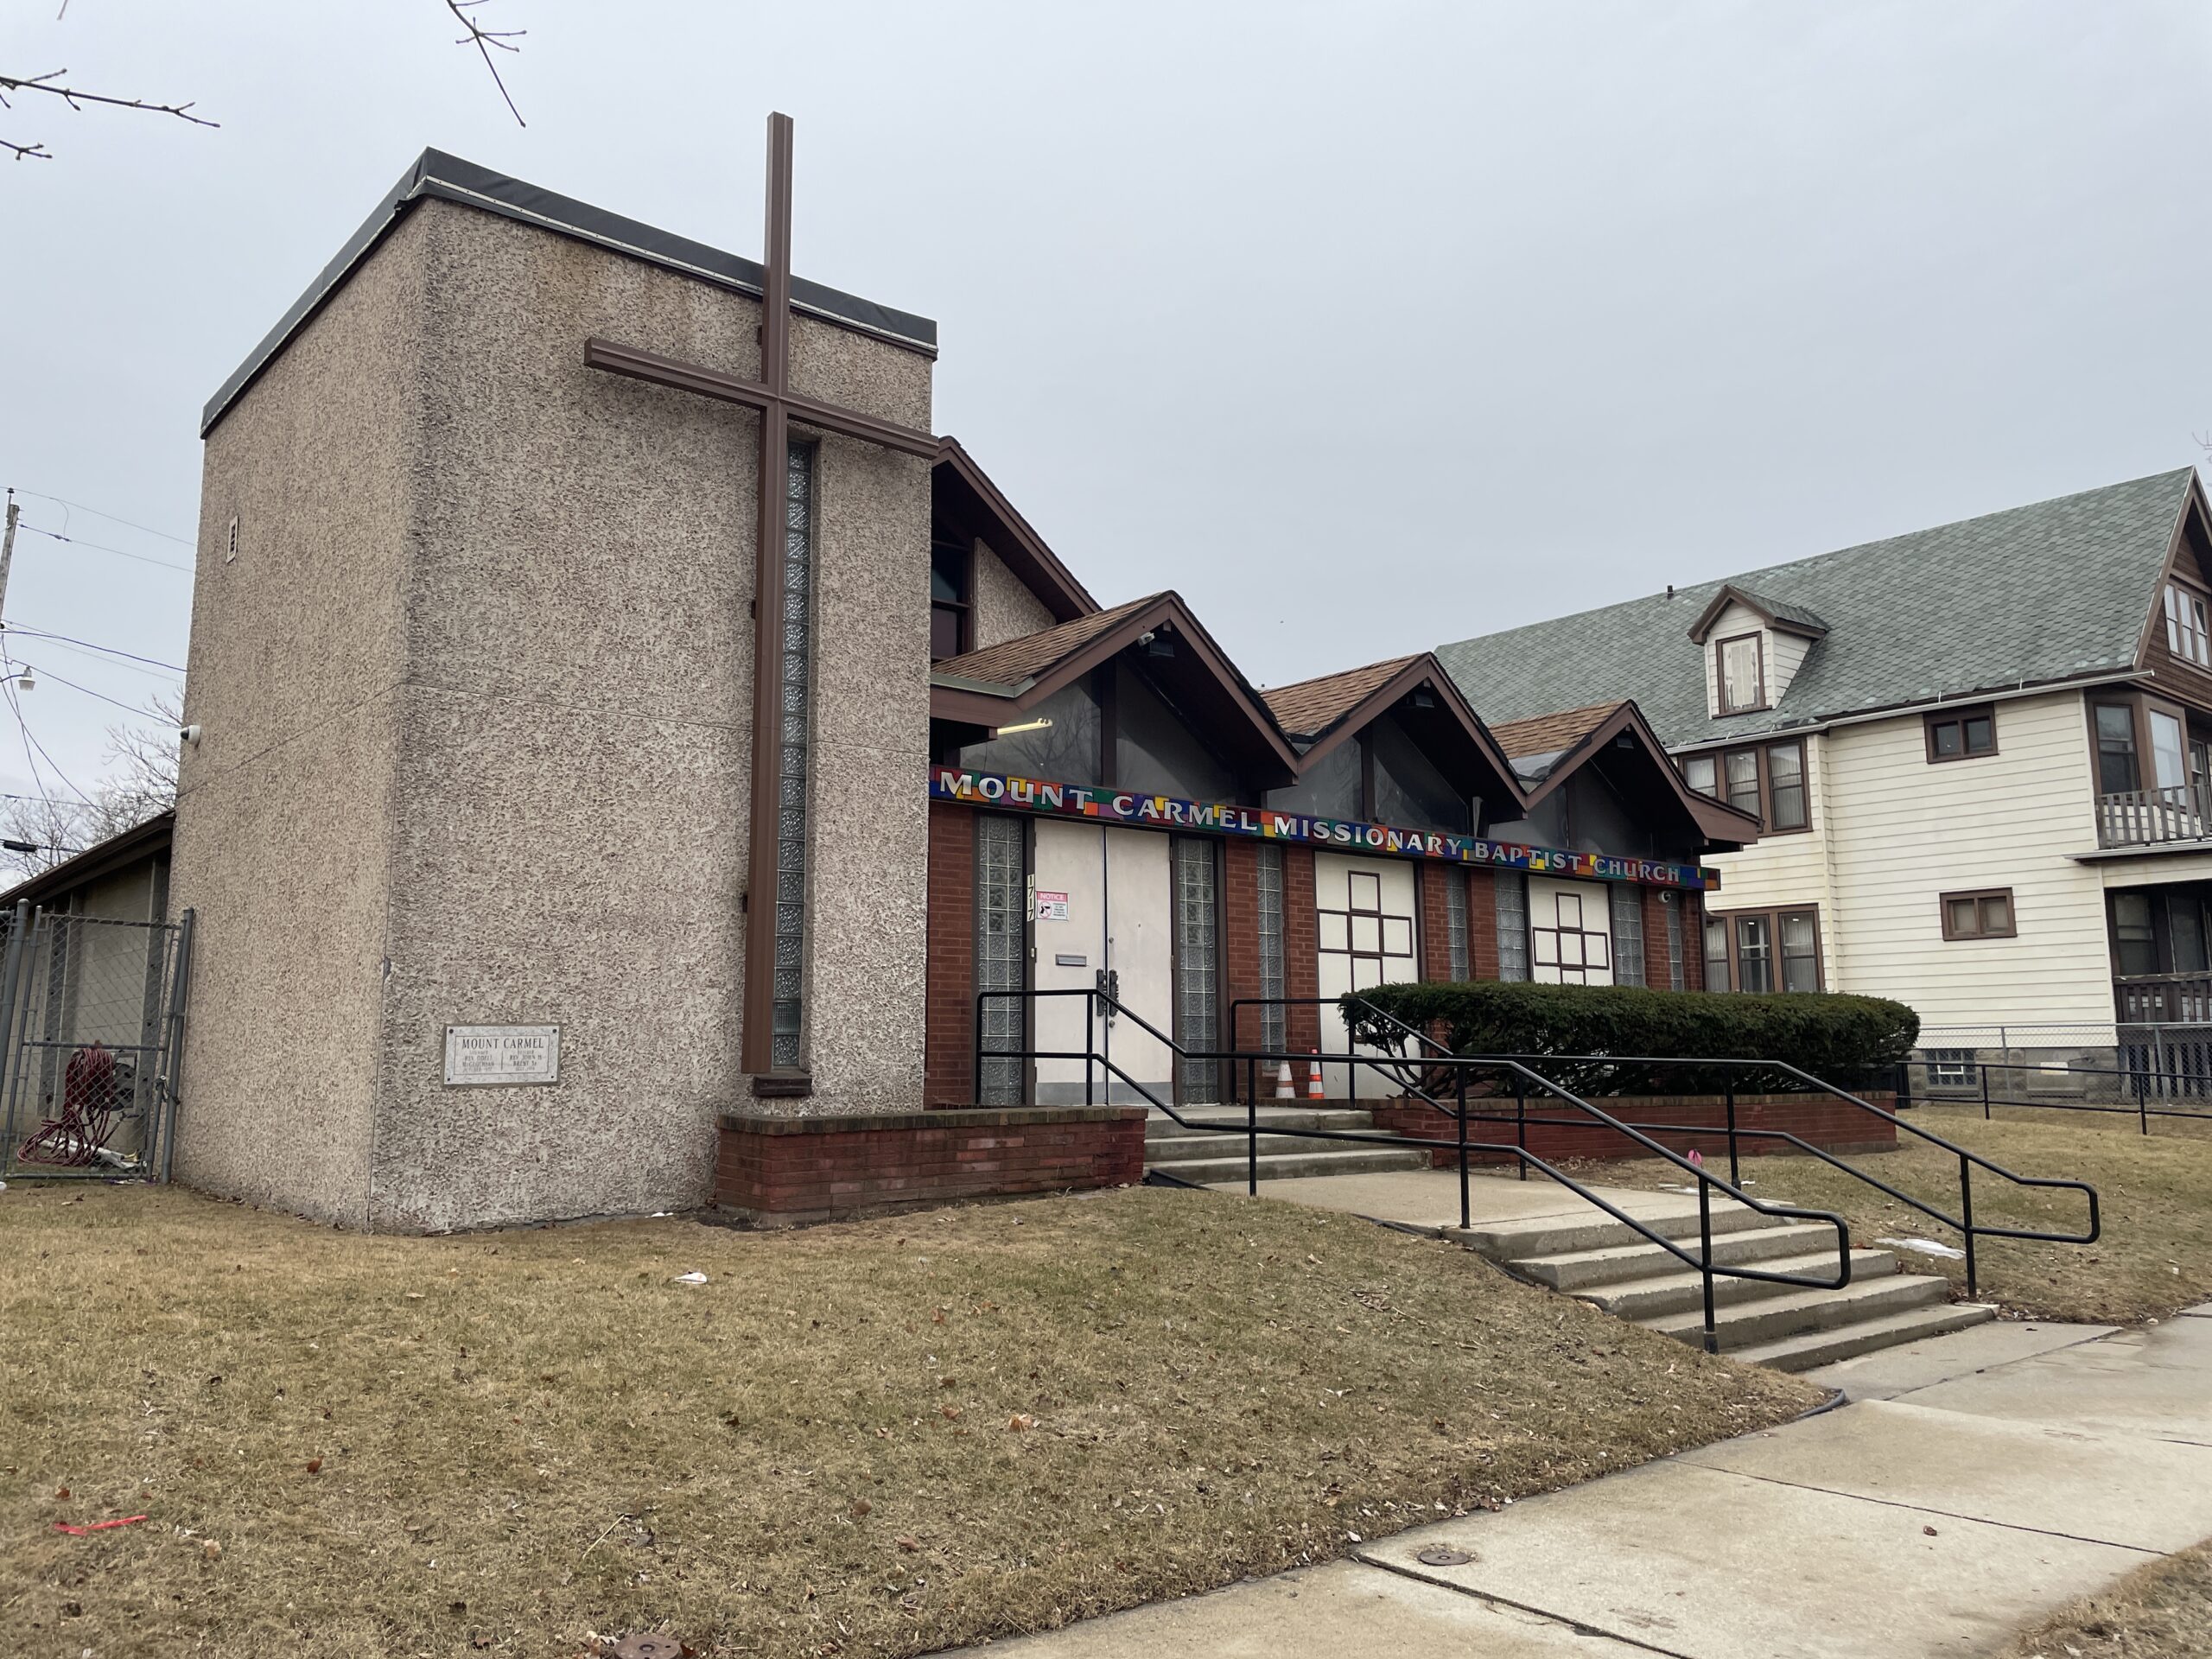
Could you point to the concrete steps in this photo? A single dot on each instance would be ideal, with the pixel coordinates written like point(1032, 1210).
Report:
point(1590, 1255)
point(1210, 1156)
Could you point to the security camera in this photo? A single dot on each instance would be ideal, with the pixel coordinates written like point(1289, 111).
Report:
point(188, 734)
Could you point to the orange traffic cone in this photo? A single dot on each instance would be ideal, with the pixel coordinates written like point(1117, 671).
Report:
point(1313, 1077)
point(1285, 1090)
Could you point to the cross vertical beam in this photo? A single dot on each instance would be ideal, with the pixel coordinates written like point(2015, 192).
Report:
point(757, 1043)
point(778, 405)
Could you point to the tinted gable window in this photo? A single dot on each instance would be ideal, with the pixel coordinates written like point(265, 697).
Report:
point(1157, 751)
point(1408, 789)
point(1329, 789)
point(1056, 742)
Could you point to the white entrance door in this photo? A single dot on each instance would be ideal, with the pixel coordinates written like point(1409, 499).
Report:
point(1365, 915)
point(1102, 902)
point(1570, 932)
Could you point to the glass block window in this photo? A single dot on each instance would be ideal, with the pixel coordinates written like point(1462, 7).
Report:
point(1455, 922)
point(1512, 924)
point(788, 1028)
point(1627, 935)
point(1001, 949)
point(1675, 981)
point(1197, 969)
point(1273, 1037)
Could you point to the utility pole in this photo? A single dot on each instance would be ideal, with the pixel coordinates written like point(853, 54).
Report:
point(7, 551)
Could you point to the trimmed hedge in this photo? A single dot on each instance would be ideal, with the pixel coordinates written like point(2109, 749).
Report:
point(1846, 1041)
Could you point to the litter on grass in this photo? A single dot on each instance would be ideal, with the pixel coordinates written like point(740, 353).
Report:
point(694, 1277)
point(1925, 1247)
point(97, 1526)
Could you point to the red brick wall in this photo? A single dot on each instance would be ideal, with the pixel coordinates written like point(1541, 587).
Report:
point(1433, 905)
point(1657, 972)
point(1482, 923)
point(783, 1171)
point(1301, 945)
point(1694, 941)
point(949, 980)
point(1825, 1122)
point(1241, 953)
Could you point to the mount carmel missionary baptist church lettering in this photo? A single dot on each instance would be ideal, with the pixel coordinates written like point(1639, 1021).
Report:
point(594, 641)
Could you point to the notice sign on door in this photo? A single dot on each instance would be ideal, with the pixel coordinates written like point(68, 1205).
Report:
point(1052, 907)
point(503, 1054)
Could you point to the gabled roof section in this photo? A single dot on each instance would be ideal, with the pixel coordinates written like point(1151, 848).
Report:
point(1012, 666)
point(996, 685)
point(1309, 707)
point(141, 841)
point(1321, 713)
point(1620, 736)
point(1775, 613)
point(435, 175)
point(1549, 734)
point(964, 495)
point(2045, 594)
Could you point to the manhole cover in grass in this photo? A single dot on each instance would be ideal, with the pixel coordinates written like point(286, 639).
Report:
point(648, 1644)
point(1444, 1556)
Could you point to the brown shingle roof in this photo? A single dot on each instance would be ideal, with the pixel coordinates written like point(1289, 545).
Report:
point(1549, 734)
point(1014, 663)
point(1311, 707)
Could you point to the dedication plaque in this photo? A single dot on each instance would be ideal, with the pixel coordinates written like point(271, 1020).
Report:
point(503, 1054)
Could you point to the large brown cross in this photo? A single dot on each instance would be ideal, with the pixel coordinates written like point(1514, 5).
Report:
point(780, 406)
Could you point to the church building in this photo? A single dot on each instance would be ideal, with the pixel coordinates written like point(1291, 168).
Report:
point(578, 769)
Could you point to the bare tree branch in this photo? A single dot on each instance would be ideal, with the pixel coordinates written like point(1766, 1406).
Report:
point(484, 39)
point(76, 98)
point(139, 782)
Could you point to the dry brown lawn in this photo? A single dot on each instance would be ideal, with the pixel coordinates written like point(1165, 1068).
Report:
point(2160, 1611)
point(2156, 1253)
point(884, 1437)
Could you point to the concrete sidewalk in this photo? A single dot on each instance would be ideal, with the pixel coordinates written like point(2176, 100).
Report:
point(1974, 1482)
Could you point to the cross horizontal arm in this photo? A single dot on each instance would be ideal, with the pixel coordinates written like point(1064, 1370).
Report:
point(638, 364)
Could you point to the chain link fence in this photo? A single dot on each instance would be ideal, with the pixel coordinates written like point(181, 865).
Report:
point(92, 1019)
point(2108, 1065)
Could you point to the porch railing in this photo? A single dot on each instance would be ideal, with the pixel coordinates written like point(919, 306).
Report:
point(2149, 818)
point(2164, 999)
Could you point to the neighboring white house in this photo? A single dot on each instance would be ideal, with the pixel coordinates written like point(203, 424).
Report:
point(1980, 756)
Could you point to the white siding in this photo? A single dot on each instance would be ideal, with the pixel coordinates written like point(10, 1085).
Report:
point(1893, 833)
point(1785, 655)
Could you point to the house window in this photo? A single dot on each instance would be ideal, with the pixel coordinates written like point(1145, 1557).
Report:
point(949, 608)
point(2169, 752)
point(2134, 940)
point(1742, 679)
point(1984, 915)
point(1962, 733)
point(2115, 727)
point(1950, 1068)
point(1763, 951)
point(1767, 781)
point(2188, 630)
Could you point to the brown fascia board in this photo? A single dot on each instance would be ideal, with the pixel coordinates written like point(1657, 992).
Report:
point(1023, 550)
point(971, 705)
point(1730, 594)
point(1425, 668)
point(2192, 501)
point(140, 841)
point(1717, 819)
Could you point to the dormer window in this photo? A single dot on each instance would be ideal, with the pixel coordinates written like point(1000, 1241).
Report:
point(1741, 668)
point(2189, 630)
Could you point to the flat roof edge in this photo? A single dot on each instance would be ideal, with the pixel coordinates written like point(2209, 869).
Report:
point(436, 175)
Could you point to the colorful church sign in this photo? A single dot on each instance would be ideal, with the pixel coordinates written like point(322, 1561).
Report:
point(991, 789)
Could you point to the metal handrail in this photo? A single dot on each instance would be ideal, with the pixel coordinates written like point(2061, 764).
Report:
point(1968, 1160)
point(1706, 1180)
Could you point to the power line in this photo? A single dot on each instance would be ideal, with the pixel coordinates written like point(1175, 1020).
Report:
point(111, 651)
point(131, 707)
point(79, 507)
point(97, 547)
point(89, 655)
point(30, 743)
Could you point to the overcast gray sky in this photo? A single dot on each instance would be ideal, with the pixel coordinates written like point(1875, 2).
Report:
point(1366, 327)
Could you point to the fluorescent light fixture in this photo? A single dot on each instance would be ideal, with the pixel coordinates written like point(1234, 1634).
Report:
point(1040, 724)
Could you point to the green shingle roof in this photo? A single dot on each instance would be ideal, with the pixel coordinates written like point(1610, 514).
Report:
point(2057, 590)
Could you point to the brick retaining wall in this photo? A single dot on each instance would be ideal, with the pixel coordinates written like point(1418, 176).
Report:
point(782, 1171)
point(1825, 1122)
